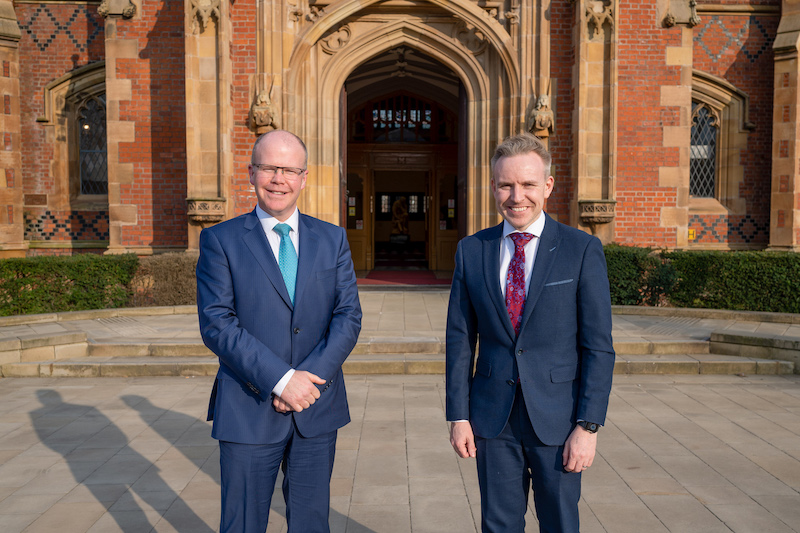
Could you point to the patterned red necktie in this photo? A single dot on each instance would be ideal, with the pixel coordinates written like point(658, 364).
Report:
point(515, 281)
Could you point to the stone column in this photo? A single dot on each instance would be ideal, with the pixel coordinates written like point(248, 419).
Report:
point(12, 231)
point(207, 82)
point(784, 224)
point(118, 131)
point(595, 123)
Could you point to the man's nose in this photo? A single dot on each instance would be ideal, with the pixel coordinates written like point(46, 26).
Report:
point(517, 194)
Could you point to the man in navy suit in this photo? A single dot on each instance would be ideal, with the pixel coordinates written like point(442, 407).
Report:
point(278, 303)
point(533, 294)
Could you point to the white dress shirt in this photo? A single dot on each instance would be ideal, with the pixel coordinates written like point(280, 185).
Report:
point(268, 223)
point(507, 248)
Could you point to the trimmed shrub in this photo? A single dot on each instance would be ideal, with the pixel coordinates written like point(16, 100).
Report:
point(751, 281)
point(166, 279)
point(50, 284)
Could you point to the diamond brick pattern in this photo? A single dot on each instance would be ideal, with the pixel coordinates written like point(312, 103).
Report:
point(722, 229)
point(751, 40)
point(71, 225)
point(43, 27)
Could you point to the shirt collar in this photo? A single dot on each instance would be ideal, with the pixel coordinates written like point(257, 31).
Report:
point(268, 222)
point(536, 227)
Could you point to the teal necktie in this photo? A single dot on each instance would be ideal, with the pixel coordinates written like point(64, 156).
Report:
point(287, 258)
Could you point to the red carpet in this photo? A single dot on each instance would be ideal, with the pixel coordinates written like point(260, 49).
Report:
point(402, 277)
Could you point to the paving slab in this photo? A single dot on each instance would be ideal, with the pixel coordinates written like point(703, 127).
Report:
point(678, 453)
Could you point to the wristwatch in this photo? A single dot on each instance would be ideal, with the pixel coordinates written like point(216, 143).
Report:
point(591, 427)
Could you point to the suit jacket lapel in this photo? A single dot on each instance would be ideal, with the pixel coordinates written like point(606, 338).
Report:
point(309, 242)
point(545, 257)
point(257, 242)
point(491, 269)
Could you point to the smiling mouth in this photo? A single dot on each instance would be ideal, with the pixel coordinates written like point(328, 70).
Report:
point(517, 209)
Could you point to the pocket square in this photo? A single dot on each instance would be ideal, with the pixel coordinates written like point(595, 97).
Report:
point(563, 281)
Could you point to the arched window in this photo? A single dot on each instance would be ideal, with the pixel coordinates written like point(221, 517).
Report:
point(93, 158)
point(703, 157)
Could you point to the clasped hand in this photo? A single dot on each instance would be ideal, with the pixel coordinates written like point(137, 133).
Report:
point(300, 392)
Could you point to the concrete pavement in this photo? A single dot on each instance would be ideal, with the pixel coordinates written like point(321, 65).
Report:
point(679, 453)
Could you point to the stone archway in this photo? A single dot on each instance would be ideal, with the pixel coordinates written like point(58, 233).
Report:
point(461, 38)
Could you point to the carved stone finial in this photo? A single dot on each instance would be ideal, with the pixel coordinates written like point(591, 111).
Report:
point(541, 121)
point(512, 16)
point(669, 20)
point(314, 13)
point(598, 14)
point(119, 8)
point(202, 11)
point(470, 36)
point(694, 19)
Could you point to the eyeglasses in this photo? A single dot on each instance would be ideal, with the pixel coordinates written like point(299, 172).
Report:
point(271, 170)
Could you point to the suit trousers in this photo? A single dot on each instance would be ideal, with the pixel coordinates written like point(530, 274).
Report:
point(509, 463)
point(248, 473)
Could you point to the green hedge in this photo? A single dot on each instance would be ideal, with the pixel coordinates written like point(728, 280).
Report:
point(166, 279)
point(748, 281)
point(55, 284)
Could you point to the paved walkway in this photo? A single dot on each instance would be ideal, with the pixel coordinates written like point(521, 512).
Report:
point(402, 332)
point(684, 454)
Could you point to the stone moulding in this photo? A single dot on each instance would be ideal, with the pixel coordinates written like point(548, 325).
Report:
point(597, 211)
point(202, 210)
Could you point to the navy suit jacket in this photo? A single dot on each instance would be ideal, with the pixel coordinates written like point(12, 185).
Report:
point(563, 356)
point(248, 320)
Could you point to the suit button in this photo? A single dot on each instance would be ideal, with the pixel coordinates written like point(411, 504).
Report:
point(519, 352)
point(511, 382)
point(296, 331)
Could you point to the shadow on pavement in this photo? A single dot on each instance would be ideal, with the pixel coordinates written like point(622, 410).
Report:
point(100, 458)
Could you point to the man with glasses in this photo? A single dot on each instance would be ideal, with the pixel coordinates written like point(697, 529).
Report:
point(278, 304)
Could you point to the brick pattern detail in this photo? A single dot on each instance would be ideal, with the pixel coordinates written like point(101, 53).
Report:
point(785, 79)
point(6, 69)
point(44, 26)
point(36, 69)
point(10, 181)
point(730, 229)
point(74, 225)
point(739, 50)
point(781, 218)
point(7, 142)
point(784, 184)
point(786, 113)
point(7, 104)
point(783, 149)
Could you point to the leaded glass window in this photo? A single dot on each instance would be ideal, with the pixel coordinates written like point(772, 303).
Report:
point(402, 118)
point(93, 156)
point(703, 156)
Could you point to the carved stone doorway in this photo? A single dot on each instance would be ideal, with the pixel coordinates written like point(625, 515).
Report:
point(401, 185)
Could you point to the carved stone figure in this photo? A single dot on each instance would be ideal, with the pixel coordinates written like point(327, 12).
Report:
point(541, 120)
point(264, 115)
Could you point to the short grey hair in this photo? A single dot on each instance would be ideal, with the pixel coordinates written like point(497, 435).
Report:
point(273, 132)
point(521, 144)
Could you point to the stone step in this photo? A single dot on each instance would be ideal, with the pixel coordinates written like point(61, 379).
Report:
point(133, 366)
point(371, 345)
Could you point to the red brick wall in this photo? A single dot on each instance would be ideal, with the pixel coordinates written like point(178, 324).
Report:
point(243, 61)
point(642, 69)
point(158, 110)
point(562, 60)
point(56, 39)
point(738, 48)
